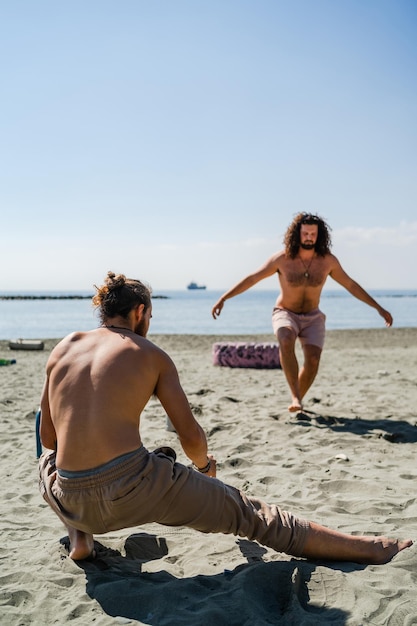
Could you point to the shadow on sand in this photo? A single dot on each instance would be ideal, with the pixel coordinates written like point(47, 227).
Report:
point(393, 431)
point(256, 592)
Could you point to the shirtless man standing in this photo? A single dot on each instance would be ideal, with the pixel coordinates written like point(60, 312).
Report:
point(98, 477)
point(302, 269)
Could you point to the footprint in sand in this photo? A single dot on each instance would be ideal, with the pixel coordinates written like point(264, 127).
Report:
point(197, 409)
point(203, 392)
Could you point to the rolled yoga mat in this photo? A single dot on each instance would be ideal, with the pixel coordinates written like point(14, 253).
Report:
point(241, 354)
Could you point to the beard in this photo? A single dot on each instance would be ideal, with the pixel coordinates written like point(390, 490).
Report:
point(140, 328)
point(307, 246)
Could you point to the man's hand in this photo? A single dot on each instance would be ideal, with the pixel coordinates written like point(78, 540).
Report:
point(387, 317)
point(215, 311)
point(209, 469)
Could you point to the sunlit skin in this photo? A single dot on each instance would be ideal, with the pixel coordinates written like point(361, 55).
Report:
point(301, 294)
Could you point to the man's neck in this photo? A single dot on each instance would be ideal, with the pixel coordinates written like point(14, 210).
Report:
point(119, 323)
point(306, 254)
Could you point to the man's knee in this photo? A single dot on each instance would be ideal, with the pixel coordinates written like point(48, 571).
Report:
point(312, 355)
point(286, 338)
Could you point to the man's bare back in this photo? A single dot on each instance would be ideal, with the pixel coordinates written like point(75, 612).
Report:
point(99, 383)
point(123, 369)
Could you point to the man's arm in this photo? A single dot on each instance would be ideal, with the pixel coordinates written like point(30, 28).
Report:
point(269, 268)
point(174, 401)
point(339, 275)
point(47, 429)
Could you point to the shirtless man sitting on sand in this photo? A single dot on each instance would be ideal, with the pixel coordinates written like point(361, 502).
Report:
point(98, 477)
point(302, 269)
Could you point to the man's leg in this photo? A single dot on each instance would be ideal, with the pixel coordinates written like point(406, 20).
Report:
point(332, 545)
point(81, 544)
point(309, 369)
point(208, 505)
point(286, 339)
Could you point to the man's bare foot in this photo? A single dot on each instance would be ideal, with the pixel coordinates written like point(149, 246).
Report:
point(324, 543)
point(81, 544)
point(383, 549)
point(295, 406)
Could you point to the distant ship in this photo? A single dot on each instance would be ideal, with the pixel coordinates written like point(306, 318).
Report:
point(195, 286)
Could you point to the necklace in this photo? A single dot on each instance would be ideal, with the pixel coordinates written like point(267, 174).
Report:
point(306, 267)
point(119, 328)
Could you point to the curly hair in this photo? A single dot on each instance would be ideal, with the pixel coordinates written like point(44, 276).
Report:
point(119, 295)
point(292, 236)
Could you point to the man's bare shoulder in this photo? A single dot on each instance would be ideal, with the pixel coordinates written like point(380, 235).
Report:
point(71, 338)
point(276, 259)
point(80, 342)
point(158, 352)
point(331, 260)
point(64, 345)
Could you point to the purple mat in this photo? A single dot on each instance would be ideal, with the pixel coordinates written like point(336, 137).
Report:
point(241, 354)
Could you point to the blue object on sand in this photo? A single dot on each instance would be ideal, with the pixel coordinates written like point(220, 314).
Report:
point(38, 435)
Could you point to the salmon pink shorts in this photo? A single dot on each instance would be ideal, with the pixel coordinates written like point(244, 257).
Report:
point(308, 327)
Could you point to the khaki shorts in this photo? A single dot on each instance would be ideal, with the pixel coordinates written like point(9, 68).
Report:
point(308, 327)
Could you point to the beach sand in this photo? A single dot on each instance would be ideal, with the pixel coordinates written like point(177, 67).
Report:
point(349, 462)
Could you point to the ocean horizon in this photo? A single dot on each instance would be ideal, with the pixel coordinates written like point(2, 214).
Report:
point(54, 314)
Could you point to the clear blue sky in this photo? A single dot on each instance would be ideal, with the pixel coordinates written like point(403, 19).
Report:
point(174, 140)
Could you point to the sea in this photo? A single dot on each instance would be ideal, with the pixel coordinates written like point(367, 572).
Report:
point(53, 314)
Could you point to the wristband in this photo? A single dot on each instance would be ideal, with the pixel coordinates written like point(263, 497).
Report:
point(203, 470)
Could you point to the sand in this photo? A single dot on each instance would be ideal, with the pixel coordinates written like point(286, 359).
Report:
point(349, 462)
